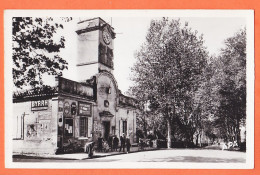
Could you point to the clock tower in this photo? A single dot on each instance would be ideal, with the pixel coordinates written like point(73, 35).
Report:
point(95, 47)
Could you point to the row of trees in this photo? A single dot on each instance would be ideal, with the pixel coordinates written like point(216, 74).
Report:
point(189, 91)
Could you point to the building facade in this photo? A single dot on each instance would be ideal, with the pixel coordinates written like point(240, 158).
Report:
point(65, 117)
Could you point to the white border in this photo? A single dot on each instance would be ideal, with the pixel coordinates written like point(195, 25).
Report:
point(248, 14)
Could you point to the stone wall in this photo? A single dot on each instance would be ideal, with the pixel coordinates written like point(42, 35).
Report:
point(129, 116)
point(37, 133)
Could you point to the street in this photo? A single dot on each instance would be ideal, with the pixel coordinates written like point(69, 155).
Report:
point(171, 155)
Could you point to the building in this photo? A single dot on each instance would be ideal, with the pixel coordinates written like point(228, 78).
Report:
point(65, 117)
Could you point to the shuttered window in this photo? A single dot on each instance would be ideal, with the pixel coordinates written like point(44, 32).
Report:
point(83, 127)
point(125, 127)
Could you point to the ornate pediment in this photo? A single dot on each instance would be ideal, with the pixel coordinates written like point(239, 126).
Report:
point(106, 114)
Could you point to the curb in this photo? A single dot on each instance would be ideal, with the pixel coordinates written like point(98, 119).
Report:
point(94, 156)
point(121, 153)
point(39, 157)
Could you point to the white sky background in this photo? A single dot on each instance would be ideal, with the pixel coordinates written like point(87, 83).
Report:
point(131, 33)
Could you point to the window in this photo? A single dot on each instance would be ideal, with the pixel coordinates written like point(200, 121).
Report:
point(18, 127)
point(83, 123)
point(69, 127)
point(113, 130)
point(125, 127)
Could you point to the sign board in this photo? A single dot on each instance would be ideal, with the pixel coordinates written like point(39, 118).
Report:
point(73, 108)
point(60, 119)
point(84, 109)
point(60, 106)
point(66, 108)
point(44, 115)
point(39, 105)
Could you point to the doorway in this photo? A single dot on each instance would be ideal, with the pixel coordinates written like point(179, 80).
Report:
point(106, 125)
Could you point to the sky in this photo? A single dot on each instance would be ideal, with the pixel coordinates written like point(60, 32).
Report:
point(131, 33)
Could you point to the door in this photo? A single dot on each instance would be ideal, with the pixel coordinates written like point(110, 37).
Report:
point(106, 125)
point(68, 130)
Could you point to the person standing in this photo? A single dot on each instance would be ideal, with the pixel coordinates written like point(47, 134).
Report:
point(115, 143)
point(110, 142)
point(128, 144)
point(100, 143)
point(122, 140)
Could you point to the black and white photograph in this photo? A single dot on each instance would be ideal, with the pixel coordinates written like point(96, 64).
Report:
point(129, 89)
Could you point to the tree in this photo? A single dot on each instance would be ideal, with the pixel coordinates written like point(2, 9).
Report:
point(168, 70)
point(232, 87)
point(206, 102)
point(36, 50)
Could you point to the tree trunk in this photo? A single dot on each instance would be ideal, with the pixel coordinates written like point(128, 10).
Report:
point(169, 140)
point(238, 133)
point(145, 130)
point(197, 139)
point(200, 139)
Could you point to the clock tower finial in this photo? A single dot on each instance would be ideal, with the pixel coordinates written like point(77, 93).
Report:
point(95, 47)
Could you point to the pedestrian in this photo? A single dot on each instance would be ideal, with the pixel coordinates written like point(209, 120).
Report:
point(224, 146)
point(100, 143)
point(110, 142)
point(230, 145)
point(128, 144)
point(122, 140)
point(105, 147)
point(150, 143)
point(115, 143)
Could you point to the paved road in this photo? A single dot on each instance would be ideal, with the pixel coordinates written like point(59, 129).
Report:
point(179, 155)
point(172, 155)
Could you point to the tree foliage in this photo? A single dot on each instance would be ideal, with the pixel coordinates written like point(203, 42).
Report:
point(36, 48)
point(230, 80)
point(188, 92)
point(168, 71)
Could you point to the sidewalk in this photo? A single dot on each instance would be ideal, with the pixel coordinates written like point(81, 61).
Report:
point(81, 156)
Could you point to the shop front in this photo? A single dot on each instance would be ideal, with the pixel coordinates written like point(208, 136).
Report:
point(63, 119)
point(75, 116)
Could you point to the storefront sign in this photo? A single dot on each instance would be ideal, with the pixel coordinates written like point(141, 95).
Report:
point(84, 109)
point(66, 108)
point(44, 116)
point(39, 105)
point(73, 108)
point(60, 119)
point(60, 106)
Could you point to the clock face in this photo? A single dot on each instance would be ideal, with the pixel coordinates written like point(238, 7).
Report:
point(106, 37)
